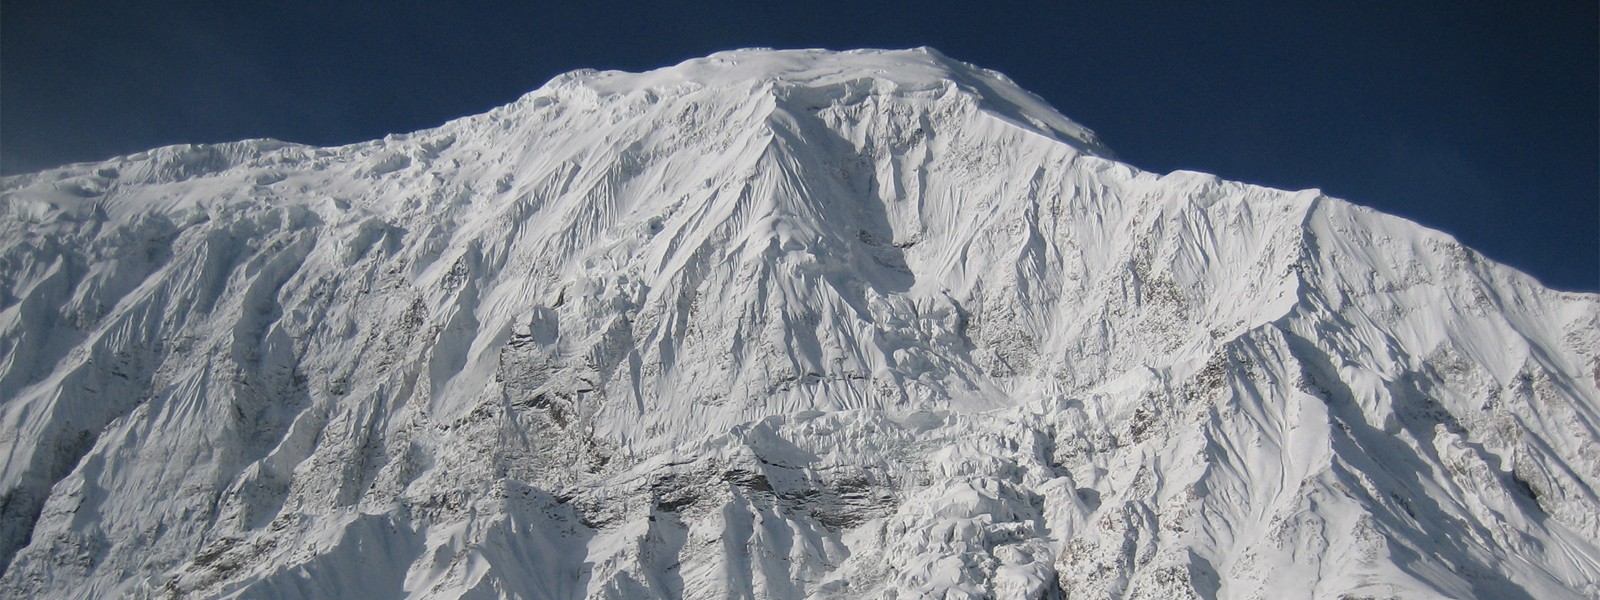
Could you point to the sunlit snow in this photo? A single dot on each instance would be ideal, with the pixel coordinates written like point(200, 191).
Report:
point(770, 324)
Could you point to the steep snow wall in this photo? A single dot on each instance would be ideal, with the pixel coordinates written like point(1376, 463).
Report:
point(773, 324)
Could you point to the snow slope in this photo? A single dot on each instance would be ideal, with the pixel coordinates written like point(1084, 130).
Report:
point(770, 324)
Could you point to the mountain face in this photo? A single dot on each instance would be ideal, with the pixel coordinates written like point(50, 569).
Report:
point(770, 324)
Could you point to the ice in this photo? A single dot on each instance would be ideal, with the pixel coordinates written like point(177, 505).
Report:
point(779, 324)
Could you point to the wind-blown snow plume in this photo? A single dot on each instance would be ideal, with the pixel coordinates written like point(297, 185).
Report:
point(774, 324)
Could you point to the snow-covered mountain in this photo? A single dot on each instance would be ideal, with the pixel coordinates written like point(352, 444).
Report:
point(770, 324)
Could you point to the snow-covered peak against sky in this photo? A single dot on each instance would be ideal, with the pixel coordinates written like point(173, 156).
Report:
point(832, 76)
point(917, 67)
point(1475, 117)
point(770, 324)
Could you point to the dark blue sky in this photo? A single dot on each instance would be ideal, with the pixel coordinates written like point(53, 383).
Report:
point(1478, 118)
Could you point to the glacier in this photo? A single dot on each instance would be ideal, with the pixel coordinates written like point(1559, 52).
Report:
point(770, 324)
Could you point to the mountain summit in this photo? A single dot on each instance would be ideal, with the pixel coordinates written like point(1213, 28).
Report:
point(777, 324)
point(808, 79)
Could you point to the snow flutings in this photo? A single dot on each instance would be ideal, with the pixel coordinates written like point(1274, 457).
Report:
point(777, 324)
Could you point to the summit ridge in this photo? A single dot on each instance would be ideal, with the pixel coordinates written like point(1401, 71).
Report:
point(826, 76)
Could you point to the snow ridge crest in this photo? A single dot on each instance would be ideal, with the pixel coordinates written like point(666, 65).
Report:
point(834, 76)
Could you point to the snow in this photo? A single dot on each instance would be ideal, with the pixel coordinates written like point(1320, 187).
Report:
point(771, 324)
